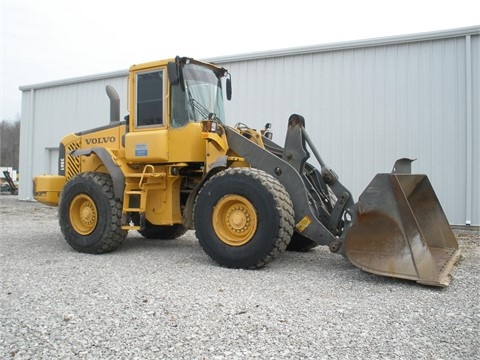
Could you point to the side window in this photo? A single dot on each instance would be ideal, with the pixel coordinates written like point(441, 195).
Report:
point(150, 98)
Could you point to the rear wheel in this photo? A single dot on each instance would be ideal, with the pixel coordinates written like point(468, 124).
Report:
point(90, 215)
point(162, 232)
point(243, 218)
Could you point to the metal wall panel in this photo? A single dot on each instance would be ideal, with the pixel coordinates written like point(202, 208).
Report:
point(366, 103)
point(474, 130)
point(49, 113)
point(367, 106)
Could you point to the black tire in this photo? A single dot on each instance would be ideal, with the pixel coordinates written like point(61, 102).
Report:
point(243, 218)
point(90, 215)
point(300, 243)
point(162, 232)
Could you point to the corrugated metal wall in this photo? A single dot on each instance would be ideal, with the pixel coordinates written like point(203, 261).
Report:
point(366, 104)
point(50, 111)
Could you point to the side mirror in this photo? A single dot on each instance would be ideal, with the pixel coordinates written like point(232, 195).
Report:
point(229, 87)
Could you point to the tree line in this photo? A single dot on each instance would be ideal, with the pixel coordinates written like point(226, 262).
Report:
point(9, 143)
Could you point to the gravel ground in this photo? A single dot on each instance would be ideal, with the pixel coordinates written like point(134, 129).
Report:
point(167, 300)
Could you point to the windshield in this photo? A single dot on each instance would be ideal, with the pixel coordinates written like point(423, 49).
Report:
point(202, 98)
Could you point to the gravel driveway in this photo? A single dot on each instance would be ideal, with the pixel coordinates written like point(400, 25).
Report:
point(167, 300)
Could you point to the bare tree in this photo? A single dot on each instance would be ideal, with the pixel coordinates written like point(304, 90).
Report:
point(9, 142)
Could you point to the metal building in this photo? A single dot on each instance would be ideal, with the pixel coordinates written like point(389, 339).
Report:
point(366, 103)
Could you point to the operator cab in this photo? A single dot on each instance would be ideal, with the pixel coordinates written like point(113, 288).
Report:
point(168, 102)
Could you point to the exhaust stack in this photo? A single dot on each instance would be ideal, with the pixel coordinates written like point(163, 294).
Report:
point(114, 104)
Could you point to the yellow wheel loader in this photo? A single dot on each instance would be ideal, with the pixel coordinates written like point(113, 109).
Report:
point(174, 164)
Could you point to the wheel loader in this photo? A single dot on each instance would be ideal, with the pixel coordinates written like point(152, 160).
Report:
point(173, 164)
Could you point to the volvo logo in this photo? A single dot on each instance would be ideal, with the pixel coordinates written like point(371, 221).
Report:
point(101, 140)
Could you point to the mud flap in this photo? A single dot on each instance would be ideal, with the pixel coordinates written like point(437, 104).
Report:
point(399, 229)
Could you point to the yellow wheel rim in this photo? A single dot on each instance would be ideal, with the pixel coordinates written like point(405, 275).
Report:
point(234, 220)
point(83, 214)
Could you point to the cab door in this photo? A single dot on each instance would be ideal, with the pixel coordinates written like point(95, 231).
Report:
point(147, 142)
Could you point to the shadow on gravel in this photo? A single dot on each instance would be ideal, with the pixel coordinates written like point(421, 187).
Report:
point(137, 243)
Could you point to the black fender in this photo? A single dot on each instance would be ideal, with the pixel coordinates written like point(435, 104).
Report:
point(116, 173)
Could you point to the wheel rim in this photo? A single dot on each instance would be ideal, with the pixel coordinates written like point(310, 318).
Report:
point(83, 214)
point(234, 220)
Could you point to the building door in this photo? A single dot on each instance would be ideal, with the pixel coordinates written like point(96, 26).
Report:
point(52, 161)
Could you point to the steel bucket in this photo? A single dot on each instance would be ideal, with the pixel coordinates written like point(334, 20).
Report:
point(399, 229)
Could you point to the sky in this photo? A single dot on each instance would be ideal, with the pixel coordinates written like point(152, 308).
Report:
point(48, 40)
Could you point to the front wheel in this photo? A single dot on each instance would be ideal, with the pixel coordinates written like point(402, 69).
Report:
point(243, 218)
point(90, 215)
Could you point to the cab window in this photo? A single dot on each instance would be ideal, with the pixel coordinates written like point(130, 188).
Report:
point(150, 98)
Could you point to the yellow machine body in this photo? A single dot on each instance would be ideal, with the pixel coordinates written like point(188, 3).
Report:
point(174, 164)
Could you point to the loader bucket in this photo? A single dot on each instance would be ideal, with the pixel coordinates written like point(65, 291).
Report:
point(400, 230)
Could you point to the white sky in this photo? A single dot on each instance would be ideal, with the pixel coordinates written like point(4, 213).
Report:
point(46, 40)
